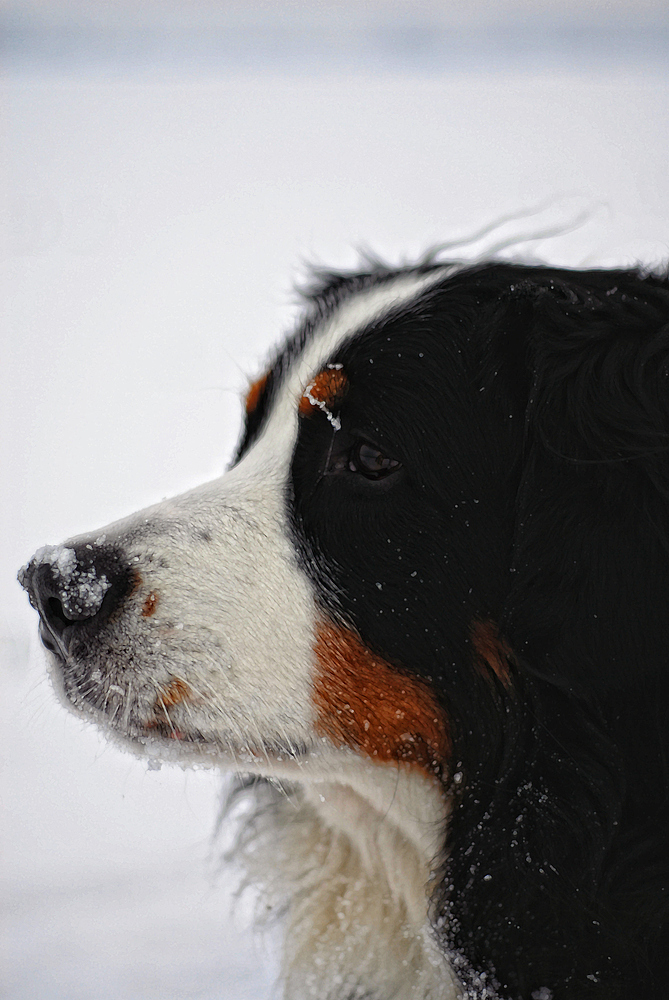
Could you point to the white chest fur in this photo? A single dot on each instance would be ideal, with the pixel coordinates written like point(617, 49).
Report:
point(352, 881)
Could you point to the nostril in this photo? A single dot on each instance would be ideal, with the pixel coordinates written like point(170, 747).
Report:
point(47, 639)
point(55, 613)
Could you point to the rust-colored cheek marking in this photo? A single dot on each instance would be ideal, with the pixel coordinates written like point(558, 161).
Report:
point(254, 393)
point(150, 605)
point(328, 388)
point(492, 652)
point(176, 692)
point(363, 703)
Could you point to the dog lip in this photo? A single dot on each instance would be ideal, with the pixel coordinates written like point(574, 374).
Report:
point(161, 729)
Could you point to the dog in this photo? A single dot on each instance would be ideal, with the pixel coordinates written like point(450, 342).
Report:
point(426, 613)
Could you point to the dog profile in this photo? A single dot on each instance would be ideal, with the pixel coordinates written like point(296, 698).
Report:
point(427, 612)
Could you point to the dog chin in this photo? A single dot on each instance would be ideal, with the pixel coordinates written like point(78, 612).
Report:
point(140, 733)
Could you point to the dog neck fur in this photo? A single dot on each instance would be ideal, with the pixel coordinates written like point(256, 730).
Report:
point(352, 883)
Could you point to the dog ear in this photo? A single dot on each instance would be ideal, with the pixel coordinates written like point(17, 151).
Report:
point(590, 601)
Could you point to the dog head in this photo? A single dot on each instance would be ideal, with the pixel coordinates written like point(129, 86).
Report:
point(409, 481)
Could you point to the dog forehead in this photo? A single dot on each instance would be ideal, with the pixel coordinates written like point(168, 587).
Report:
point(309, 354)
point(304, 372)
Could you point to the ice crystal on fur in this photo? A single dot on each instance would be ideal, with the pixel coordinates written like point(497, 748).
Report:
point(335, 421)
point(80, 589)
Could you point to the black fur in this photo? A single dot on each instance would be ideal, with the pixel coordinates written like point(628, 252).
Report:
point(529, 408)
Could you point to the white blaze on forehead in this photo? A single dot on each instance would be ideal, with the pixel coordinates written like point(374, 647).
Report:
point(361, 310)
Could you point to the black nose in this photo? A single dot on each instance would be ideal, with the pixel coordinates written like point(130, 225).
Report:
point(75, 588)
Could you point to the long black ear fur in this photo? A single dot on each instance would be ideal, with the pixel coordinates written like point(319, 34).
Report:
point(591, 555)
point(559, 863)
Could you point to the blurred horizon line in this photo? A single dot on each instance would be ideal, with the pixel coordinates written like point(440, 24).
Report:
point(73, 45)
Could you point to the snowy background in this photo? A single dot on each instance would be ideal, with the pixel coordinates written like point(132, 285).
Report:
point(169, 167)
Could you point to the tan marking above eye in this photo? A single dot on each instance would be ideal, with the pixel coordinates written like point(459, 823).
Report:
point(255, 392)
point(364, 703)
point(328, 388)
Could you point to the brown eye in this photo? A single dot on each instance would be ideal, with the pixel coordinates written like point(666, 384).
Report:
point(371, 462)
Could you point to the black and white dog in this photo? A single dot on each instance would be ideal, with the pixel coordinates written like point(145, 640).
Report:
point(429, 604)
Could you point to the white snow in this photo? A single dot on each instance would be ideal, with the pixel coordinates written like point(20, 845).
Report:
point(156, 224)
point(81, 589)
point(62, 560)
point(322, 405)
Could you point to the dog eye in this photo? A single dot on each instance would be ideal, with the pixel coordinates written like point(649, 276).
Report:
point(371, 462)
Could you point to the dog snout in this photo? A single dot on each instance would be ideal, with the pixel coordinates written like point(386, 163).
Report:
point(75, 587)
